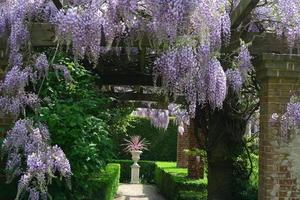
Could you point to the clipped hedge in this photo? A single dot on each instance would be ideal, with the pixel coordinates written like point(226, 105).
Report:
point(146, 171)
point(175, 185)
point(163, 143)
point(107, 183)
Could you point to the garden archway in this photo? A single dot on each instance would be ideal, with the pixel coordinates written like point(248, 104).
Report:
point(279, 78)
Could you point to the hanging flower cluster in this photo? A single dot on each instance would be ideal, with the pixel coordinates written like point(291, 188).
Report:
point(30, 142)
point(159, 118)
point(290, 120)
point(183, 73)
point(237, 76)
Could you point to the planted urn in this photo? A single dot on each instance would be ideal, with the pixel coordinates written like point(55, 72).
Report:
point(135, 145)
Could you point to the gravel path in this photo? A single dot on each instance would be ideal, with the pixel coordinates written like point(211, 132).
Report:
point(138, 192)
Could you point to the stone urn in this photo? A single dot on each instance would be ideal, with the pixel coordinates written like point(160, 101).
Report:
point(135, 168)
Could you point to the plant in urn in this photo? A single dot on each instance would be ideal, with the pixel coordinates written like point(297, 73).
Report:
point(135, 146)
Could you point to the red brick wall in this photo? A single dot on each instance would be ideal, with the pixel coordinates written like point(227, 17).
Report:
point(195, 166)
point(182, 143)
point(279, 78)
point(189, 141)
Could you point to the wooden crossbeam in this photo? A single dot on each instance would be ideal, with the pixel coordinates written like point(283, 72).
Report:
point(58, 4)
point(138, 104)
point(133, 79)
point(130, 96)
point(241, 11)
point(43, 35)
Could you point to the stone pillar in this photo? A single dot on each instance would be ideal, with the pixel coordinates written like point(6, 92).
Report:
point(182, 143)
point(195, 163)
point(279, 77)
point(135, 174)
point(135, 167)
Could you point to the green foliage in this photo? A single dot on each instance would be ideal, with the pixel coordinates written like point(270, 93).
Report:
point(192, 195)
point(162, 144)
point(82, 122)
point(7, 191)
point(245, 182)
point(146, 171)
point(175, 185)
point(106, 184)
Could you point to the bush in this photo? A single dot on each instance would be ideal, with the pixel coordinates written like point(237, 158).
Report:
point(81, 121)
point(244, 186)
point(146, 171)
point(106, 185)
point(175, 185)
point(192, 195)
point(163, 144)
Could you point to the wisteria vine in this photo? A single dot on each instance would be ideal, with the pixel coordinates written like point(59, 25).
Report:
point(187, 36)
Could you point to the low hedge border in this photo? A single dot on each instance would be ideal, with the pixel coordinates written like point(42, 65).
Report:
point(107, 185)
point(146, 171)
point(174, 183)
point(107, 182)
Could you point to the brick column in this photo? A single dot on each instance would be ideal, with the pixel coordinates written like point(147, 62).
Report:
point(182, 143)
point(195, 165)
point(279, 77)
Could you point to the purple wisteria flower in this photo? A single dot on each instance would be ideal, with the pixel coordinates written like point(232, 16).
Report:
point(42, 65)
point(43, 161)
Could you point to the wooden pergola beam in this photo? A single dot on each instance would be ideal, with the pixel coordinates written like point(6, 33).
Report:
point(241, 11)
point(131, 96)
point(58, 4)
point(43, 35)
point(134, 79)
point(138, 104)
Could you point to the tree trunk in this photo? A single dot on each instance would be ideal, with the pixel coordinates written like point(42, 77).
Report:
point(219, 173)
point(223, 134)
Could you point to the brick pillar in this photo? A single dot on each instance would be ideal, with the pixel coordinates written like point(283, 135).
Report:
point(195, 165)
point(279, 77)
point(182, 143)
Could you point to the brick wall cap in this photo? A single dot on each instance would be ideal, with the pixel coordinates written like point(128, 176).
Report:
point(280, 57)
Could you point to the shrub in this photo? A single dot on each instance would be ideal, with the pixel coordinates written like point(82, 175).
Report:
point(146, 171)
point(192, 195)
point(106, 184)
point(244, 186)
point(175, 184)
point(162, 144)
point(81, 121)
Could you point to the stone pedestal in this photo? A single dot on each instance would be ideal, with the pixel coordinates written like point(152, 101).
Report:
point(135, 168)
point(135, 174)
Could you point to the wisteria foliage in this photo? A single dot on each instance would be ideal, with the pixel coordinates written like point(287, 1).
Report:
point(186, 34)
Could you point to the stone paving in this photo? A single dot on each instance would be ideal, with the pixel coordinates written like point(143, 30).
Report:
point(138, 192)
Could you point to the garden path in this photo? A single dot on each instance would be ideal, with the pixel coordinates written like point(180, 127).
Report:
point(138, 192)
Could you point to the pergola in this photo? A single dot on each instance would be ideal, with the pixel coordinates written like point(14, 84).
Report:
point(278, 72)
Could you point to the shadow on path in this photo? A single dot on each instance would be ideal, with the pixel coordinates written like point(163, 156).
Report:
point(138, 192)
